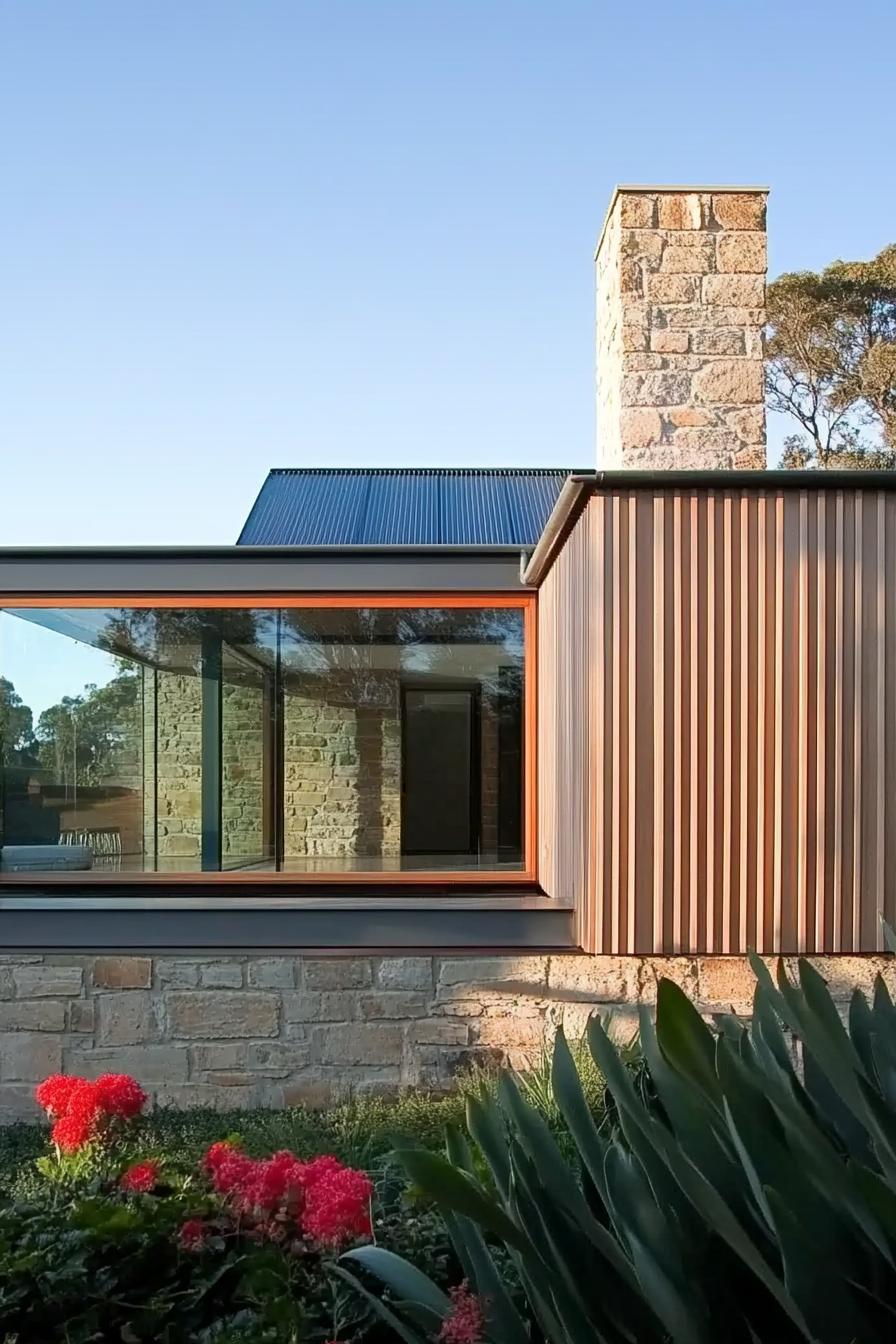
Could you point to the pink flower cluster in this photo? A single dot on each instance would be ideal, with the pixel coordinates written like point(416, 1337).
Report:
point(466, 1323)
point(81, 1108)
point(327, 1202)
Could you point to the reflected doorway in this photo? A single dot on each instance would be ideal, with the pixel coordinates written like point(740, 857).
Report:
point(440, 792)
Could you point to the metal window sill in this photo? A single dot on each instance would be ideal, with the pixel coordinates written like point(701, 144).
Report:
point(323, 922)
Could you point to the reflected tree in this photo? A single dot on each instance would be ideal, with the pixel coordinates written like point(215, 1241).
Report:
point(17, 740)
point(343, 640)
point(80, 739)
point(172, 637)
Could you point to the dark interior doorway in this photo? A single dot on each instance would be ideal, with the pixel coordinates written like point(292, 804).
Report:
point(440, 770)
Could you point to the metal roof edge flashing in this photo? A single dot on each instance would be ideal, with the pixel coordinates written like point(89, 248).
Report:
point(263, 551)
point(562, 519)
point(414, 471)
point(578, 487)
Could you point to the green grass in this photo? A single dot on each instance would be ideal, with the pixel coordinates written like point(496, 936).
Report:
point(360, 1132)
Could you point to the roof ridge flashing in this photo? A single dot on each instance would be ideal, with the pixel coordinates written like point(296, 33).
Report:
point(422, 471)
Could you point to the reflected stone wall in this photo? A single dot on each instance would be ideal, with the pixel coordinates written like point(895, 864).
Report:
point(242, 772)
point(178, 775)
point(342, 765)
point(489, 770)
point(342, 754)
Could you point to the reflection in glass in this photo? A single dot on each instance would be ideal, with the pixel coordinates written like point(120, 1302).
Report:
point(301, 740)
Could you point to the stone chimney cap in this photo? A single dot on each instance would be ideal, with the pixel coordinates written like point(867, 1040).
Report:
point(641, 189)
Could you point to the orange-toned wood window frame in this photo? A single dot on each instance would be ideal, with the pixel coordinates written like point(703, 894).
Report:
point(525, 602)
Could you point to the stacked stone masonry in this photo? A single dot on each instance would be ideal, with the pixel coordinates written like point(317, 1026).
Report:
point(280, 1030)
point(680, 313)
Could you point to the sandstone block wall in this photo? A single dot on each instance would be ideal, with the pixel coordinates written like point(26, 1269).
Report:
point(680, 313)
point(236, 1031)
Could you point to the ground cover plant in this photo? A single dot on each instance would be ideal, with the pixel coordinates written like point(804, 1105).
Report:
point(180, 1226)
point(743, 1193)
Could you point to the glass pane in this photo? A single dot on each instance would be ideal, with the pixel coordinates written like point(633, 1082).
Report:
point(72, 748)
point(303, 740)
point(402, 739)
point(248, 691)
point(439, 785)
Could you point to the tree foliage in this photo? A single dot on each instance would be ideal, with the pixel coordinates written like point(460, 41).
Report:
point(831, 362)
point(16, 725)
point(78, 739)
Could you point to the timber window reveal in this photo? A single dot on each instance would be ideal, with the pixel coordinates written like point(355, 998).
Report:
point(305, 739)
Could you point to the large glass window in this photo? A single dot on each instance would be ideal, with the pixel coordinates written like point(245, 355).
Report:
point(328, 741)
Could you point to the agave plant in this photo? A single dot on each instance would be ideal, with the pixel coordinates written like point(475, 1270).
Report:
point(743, 1198)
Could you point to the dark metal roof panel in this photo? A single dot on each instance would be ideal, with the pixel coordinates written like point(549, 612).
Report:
point(403, 506)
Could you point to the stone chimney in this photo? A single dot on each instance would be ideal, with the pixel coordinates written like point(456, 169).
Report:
point(680, 312)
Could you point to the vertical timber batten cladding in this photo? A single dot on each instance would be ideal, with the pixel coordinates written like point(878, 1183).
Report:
point(718, 681)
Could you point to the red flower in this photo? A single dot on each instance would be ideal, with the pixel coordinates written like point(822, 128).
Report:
point(232, 1174)
point(330, 1202)
point(79, 1123)
point(77, 1106)
point(192, 1234)
point(275, 1184)
point(120, 1095)
point(54, 1093)
point(217, 1155)
point(337, 1202)
point(71, 1133)
point(466, 1323)
point(253, 1185)
point(141, 1177)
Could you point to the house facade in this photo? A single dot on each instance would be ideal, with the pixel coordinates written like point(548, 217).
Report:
point(432, 760)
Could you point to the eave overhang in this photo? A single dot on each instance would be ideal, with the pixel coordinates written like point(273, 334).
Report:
point(272, 570)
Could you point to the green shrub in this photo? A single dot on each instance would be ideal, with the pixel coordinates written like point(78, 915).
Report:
point(93, 1260)
point(119, 1232)
point(82, 1260)
point(731, 1197)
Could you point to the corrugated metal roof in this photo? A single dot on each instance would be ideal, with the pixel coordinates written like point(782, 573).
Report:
point(402, 506)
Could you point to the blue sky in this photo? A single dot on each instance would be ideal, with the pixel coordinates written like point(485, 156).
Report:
point(236, 235)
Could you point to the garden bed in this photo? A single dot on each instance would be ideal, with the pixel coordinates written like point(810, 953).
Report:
point(82, 1258)
point(126, 1232)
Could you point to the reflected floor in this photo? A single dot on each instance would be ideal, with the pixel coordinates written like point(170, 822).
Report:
point(310, 864)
